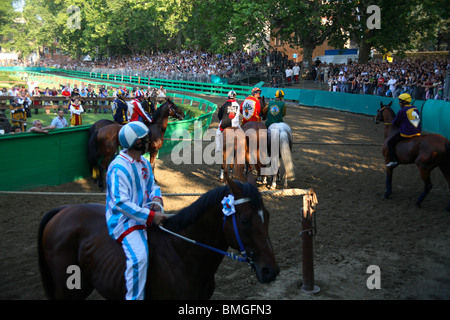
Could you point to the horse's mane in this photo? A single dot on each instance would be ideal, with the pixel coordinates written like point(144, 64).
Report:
point(159, 111)
point(390, 109)
point(187, 216)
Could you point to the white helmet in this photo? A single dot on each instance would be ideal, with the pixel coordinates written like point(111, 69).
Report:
point(231, 94)
point(131, 132)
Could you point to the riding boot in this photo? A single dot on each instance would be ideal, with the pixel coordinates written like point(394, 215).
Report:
point(391, 148)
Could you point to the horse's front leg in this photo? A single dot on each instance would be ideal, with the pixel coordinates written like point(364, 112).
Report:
point(153, 163)
point(388, 191)
point(223, 166)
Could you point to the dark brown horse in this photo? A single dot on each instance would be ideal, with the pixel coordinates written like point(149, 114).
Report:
point(427, 151)
point(76, 236)
point(104, 142)
point(158, 127)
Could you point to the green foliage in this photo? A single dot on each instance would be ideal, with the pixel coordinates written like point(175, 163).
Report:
point(111, 27)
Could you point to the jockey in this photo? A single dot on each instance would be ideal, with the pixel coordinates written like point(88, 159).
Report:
point(137, 112)
point(133, 202)
point(409, 125)
point(228, 116)
point(120, 108)
point(276, 109)
point(229, 112)
point(251, 108)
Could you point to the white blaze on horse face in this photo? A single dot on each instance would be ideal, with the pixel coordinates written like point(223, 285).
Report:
point(261, 215)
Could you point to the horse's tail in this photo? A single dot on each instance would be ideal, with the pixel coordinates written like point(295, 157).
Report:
point(92, 151)
point(49, 286)
point(285, 140)
point(286, 151)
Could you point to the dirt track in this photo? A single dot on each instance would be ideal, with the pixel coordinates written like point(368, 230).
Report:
point(338, 155)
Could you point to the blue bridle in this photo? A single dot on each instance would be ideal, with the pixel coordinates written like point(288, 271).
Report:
point(243, 257)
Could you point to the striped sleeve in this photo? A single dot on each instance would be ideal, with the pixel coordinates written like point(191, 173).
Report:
point(153, 189)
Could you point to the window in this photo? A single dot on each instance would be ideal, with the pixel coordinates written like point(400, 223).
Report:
point(278, 41)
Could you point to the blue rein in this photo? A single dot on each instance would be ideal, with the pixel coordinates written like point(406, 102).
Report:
point(243, 258)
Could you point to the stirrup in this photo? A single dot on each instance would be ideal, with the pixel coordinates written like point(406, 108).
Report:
point(392, 164)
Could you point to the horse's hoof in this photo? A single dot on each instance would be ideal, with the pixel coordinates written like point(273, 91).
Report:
point(386, 195)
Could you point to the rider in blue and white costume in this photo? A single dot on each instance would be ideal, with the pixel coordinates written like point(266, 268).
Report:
point(130, 204)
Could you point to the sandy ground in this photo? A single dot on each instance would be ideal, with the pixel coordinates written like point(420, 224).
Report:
point(338, 155)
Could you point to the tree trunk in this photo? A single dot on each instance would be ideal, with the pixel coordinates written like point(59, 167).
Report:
point(308, 49)
point(364, 51)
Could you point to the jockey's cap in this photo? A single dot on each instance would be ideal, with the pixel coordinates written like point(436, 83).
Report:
point(131, 132)
point(255, 90)
point(405, 97)
point(279, 94)
point(231, 94)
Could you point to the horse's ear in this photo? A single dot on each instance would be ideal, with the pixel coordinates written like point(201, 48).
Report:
point(251, 179)
point(381, 104)
point(390, 104)
point(235, 190)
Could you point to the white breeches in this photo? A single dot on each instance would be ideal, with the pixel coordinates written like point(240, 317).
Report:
point(136, 251)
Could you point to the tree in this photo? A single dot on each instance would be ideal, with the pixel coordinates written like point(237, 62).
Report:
point(309, 23)
point(403, 22)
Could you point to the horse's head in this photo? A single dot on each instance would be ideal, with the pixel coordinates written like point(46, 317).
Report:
point(247, 229)
point(174, 110)
point(385, 114)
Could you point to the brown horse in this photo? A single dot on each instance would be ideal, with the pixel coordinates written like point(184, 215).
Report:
point(233, 151)
point(255, 133)
point(255, 150)
point(427, 151)
point(103, 143)
point(76, 236)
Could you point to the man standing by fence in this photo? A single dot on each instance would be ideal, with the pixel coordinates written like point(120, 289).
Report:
point(296, 71)
point(60, 121)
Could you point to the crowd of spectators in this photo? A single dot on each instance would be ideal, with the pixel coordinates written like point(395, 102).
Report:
point(422, 79)
point(184, 62)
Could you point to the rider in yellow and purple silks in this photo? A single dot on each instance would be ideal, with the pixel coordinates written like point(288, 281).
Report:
point(409, 125)
point(133, 202)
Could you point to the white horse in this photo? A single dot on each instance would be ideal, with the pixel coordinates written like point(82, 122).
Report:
point(282, 133)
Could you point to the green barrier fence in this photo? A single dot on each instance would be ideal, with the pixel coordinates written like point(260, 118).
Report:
point(219, 89)
point(436, 117)
point(435, 113)
point(32, 160)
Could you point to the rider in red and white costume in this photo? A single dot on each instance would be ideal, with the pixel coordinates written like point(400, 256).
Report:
point(251, 108)
point(138, 113)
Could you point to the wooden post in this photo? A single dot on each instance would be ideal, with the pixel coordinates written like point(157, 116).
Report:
point(308, 231)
